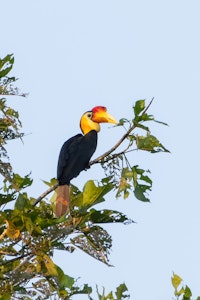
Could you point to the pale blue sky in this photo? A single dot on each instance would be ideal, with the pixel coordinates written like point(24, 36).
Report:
point(73, 55)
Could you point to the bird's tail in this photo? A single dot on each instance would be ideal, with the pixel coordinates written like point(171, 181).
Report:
point(62, 200)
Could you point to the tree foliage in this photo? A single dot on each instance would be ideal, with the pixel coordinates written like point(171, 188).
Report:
point(181, 291)
point(29, 230)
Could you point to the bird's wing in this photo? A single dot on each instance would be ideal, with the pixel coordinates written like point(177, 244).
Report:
point(68, 148)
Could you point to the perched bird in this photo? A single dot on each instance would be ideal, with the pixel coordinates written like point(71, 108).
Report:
point(76, 152)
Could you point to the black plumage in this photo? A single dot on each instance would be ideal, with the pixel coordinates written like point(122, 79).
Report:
point(75, 155)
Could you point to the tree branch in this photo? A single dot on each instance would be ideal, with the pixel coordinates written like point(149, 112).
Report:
point(51, 189)
point(98, 159)
point(5, 262)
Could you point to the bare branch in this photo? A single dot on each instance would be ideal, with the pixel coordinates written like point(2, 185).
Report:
point(98, 159)
point(51, 189)
point(7, 253)
point(16, 258)
point(22, 263)
point(144, 111)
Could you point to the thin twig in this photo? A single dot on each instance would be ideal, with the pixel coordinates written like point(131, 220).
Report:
point(98, 159)
point(22, 263)
point(144, 111)
point(7, 253)
point(14, 259)
point(117, 154)
point(51, 189)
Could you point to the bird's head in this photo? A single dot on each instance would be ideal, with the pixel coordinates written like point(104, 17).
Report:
point(91, 119)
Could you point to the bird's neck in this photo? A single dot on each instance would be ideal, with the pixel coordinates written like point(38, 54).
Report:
point(88, 125)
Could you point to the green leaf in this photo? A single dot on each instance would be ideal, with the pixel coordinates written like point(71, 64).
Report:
point(76, 197)
point(4, 72)
point(59, 245)
point(150, 143)
point(8, 58)
point(123, 121)
point(187, 293)
point(107, 216)
point(5, 296)
point(11, 112)
point(134, 179)
point(86, 289)
point(142, 183)
point(6, 198)
point(65, 281)
point(29, 224)
point(93, 194)
point(146, 117)
point(140, 191)
point(49, 220)
point(22, 202)
point(6, 65)
point(52, 182)
point(121, 293)
point(139, 107)
point(139, 125)
point(121, 290)
point(19, 182)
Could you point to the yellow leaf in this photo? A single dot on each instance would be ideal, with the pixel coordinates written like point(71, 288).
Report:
point(3, 234)
point(11, 231)
point(38, 264)
point(176, 281)
point(179, 293)
point(51, 267)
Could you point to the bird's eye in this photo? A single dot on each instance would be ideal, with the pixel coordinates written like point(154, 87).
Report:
point(89, 115)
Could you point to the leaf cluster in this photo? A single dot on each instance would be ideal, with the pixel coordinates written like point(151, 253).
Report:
point(7, 82)
point(120, 293)
point(10, 124)
point(181, 291)
point(30, 235)
point(125, 176)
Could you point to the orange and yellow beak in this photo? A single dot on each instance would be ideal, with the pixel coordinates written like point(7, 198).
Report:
point(100, 115)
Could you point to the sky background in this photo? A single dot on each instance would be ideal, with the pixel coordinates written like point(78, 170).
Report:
point(73, 55)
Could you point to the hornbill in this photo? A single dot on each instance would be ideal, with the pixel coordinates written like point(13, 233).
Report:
point(76, 152)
